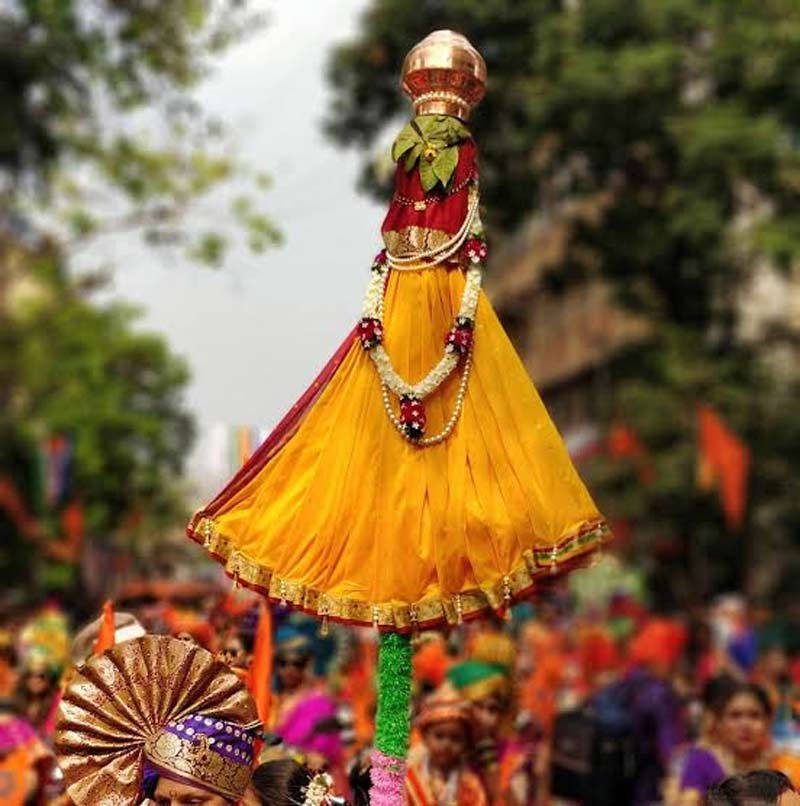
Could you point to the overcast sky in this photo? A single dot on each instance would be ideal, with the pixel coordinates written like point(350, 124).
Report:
point(256, 332)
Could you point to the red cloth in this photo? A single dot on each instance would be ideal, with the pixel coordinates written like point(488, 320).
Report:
point(447, 216)
point(724, 462)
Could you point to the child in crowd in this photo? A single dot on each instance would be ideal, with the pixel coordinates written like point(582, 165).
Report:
point(437, 773)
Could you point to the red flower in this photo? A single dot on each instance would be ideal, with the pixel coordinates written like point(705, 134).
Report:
point(412, 416)
point(379, 260)
point(475, 250)
point(459, 339)
point(370, 331)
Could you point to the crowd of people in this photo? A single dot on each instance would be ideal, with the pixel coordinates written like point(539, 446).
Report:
point(557, 704)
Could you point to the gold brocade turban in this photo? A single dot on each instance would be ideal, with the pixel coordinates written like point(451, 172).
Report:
point(154, 706)
point(444, 75)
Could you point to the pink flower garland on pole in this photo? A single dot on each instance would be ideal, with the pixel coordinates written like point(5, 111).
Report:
point(388, 776)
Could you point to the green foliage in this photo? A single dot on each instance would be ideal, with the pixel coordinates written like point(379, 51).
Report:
point(432, 141)
point(73, 368)
point(679, 531)
point(669, 105)
point(76, 73)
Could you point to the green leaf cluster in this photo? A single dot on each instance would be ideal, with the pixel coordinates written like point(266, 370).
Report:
point(431, 141)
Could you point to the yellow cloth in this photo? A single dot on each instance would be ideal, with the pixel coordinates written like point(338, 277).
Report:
point(350, 520)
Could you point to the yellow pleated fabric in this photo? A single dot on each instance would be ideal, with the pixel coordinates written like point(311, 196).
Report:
point(349, 520)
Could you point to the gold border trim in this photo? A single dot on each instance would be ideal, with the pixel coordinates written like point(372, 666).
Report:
point(538, 565)
point(413, 239)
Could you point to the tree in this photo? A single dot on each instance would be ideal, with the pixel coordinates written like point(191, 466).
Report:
point(677, 120)
point(100, 132)
point(77, 73)
point(71, 368)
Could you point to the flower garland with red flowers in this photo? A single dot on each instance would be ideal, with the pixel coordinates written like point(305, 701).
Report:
point(458, 343)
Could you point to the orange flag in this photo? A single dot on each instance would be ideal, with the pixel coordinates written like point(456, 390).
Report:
point(724, 462)
point(105, 637)
point(624, 443)
point(260, 676)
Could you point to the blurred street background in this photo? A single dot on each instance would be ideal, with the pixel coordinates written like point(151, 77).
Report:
point(190, 196)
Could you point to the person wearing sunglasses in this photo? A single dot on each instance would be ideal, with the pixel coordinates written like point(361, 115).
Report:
point(303, 714)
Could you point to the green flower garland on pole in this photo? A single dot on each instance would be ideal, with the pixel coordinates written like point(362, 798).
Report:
point(393, 725)
point(393, 722)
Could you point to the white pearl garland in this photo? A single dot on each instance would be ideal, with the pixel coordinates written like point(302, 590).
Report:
point(451, 423)
point(372, 308)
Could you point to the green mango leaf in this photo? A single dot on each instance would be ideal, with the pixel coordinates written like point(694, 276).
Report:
point(445, 164)
point(429, 124)
point(413, 156)
point(444, 128)
point(456, 130)
point(443, 133)
point(427, 175)
point(406, 140)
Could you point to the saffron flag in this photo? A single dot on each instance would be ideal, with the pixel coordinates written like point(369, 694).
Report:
point(105, 636)
point(724, 463)
point(260, 676)
point(624, 443)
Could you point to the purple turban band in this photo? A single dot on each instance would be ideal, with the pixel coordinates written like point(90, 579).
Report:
point(201, 751)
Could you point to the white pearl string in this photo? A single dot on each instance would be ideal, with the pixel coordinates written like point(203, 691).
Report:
point(439, 254)
point(373, 308)
point(426, 442)
point(449, 361)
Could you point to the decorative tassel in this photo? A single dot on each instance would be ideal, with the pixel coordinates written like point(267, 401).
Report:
point(323, 630)
point(459, 609)
point(207, 533)
point(413, 617)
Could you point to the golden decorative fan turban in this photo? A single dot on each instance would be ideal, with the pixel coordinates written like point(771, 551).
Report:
point(157, 703)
